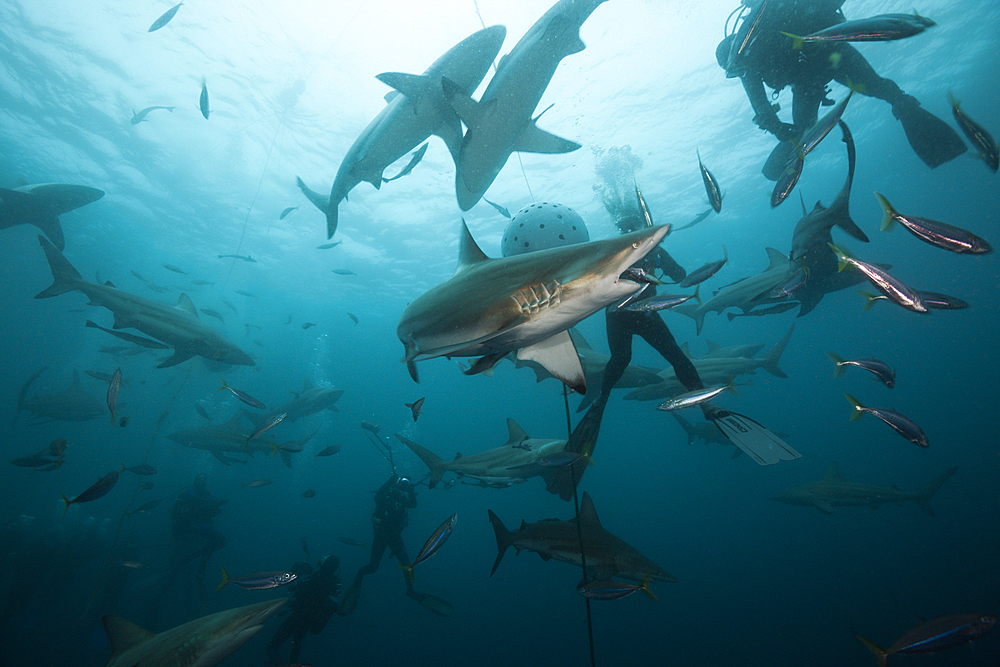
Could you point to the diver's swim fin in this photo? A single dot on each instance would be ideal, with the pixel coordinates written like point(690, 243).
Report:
point(931, 138)
point(756, 441)
point(562, 480)
point(350, 599)
point(774, 167)
point(433, 603)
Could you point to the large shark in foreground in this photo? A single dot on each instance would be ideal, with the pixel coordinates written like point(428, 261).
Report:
point(832, 491)
point(42, 204)
point(203, 642)
point(500, 123)
point(71, 405)
point(177, 326)
point(526, 302)
point(517, 460)
point(607, 555)
point(416, 109)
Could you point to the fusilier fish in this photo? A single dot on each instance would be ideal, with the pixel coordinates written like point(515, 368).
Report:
point(879, 369)
point(203, 100)
point(703, 273)
point(881, 28)
point(267, 425)
point(613, 590)
point(711, 185)
point(165, 18)
point(433, 543)
point(935, 635)
point(329, 451)
point(901, 424)
point(692, 398)
point(890, 286)
point(243, 396)
point(98, 489)
point(258, 580)
point(977, 134)
point(284, 214)
point(138, 117)
point(933, 300)
point(933, 232)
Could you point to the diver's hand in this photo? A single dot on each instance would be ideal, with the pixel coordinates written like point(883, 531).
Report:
point(785, 131)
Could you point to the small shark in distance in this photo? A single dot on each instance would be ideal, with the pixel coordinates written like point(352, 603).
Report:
point(177, 326)
point(500, 123)
point(309, 401)
point(42, 204)
point(832, 491)
point(607, 555)
point(520, 458)
point(71, 405)
point(229, 437)
point(526, 302)
point(203, 642)
point(415, 110)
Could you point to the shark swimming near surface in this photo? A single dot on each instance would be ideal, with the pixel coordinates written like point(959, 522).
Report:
point(203, 642)
point(526, 302)
point(833, 491)
point(41, 205)
point(519, 459)
point(415, 110)
point(72, 405)
point(500, 123)
point(177, 326)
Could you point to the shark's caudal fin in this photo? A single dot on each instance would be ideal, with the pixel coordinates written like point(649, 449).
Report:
point(64, 277)
point(322, 203)
point(694, 312)
point(505, 539)
point(430, 459)
point(877, 651)
point(774, 356)
point(926, 492)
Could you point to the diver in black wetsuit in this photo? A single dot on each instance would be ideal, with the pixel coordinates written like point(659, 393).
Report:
point(392, 501)
point(771, 59)
point(310, 607)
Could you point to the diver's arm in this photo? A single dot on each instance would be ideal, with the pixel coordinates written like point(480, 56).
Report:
point(411, 499)
point(765, 115)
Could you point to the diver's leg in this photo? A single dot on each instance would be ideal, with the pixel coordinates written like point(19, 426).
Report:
point(379, 544)
point(282, 634)
point(297, 636)
point(655, 332)
point(399, 551)
point(855, 70)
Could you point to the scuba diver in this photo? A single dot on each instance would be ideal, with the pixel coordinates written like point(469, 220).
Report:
point(759, 54)
point(392, 501)
point(310, 606)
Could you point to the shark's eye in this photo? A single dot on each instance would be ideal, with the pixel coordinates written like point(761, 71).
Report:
point(635, 245)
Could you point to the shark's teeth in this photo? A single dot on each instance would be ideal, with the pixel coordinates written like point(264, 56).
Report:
point(532, 299)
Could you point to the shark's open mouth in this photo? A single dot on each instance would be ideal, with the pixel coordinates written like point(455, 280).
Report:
point(532, 299)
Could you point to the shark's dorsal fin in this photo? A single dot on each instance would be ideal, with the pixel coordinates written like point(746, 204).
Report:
point(469, 252)
point(414, 86)
point(108, 283)
point(390, 96)
point(458, 455)
point(517, 434)
point(712, 347)
point(76, 378)
point(307, 385)
point(123, 634)
point(776, 258)
point(524, 524)
point(818, 207)
point(588, 513)
point(832, 473)
point(184, 303)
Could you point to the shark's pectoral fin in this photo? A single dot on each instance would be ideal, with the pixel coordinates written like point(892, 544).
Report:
point(534, 140)
point(179, 356)
point(123, 634)
point(414, 86)
point(545, 555)
point(852, 228)
point(318, 200)
point(184, 303)
point(823, 506)
point(221, 458)
point(411, 366)
point(558, 356)
point(484, 363)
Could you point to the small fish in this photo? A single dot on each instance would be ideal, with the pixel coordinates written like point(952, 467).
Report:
point(740, 46)
point(308, 493)
point(200, 409)
point(933, 300)
point(343, 272)
point(368, 426)
point(56, 447)
point(203, 100)
point(267, 425)
point(977, 134)
point(258, 580)
point(306, 325)
point(123, 422)
point(175, 269)
point(795, 280)
point(33, 461)
point(788, 179)
point(933, 232)
point(245, 258)
point(613, 590)
point(879, 369)
point(284, 214)
point(414, 160)
point(329, 451)
point(256, 483)
point(165, 18)
point(770, 310)
point(353, 317)
point(98, 489)
point(701, 216)
point(202, 283)
point(141, 115)
point(243, 396)
point(433, 543)
point(327, 246)
point(880, 28)
point(661, 302)
point(112, 397)
point(131, 564)
point(885, 283)
point(145, 507)
point(132, 338)
point(138, 275)
point(691, 398)
point(711, 186)
point(244, 293)
point(901, 424)
point(500, 209)
point(415, 407)
point(253, 326)
point(142, 469)
point(160, 289)
point(213, 313)
point(351, 542)
point(937, 634)
point(556, 460)
point(231, 306)
point(641, 276)
point(98, 375)
point(702, 274)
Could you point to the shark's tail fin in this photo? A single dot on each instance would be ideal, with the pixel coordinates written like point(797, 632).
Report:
point(838, 364)
point(434, 462)
point(686, 425)
point(926, 492)
point(504, 539)
point(322, 203)
point(877, 651)
point(694, 312)
point(64, 277)
point(774, 356)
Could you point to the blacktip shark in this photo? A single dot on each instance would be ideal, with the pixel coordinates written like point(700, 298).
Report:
point(203, 642)
point(833, 491)
point(229, 437)
point(309, 401)
point(607, 555)
point(416, 109)
point(500, 123)
point(41, 205)
point(177, 326)
point(517, 460)
point(526, 302)
point(71, 405)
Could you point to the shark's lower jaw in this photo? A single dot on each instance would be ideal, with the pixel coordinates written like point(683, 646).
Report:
point(532, 299)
